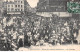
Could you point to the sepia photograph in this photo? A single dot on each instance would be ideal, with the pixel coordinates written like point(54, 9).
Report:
point(39, 25)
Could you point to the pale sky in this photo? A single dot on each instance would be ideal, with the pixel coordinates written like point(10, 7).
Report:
point(32, 3)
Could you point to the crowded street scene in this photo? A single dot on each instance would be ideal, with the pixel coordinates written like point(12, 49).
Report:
point(46, 26)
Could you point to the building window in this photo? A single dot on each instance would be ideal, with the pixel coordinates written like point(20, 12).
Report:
point(8, 5)
point(12, 9)
point(15, 5)
point(8, 9)
point(21, 5)
point(16, 1)
point(15, 9)
point(21, 1)
point(21, 10)
point(18, 5)
point(18, 10)
point(12, 5)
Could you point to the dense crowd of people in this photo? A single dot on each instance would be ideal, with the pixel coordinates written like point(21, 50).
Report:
point(27, 31)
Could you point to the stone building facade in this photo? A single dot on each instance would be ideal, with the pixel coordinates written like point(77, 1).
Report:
point(15, 7)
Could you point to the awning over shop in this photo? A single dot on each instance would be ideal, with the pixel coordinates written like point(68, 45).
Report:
point(44, 14)
point(13, 12)
point(49, 14)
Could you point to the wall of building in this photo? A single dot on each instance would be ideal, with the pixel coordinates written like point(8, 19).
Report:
point(19, 5)
point(48, 7)
point(10, 7)
point(15, 7)
point(4, 5)
point(52, 6)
